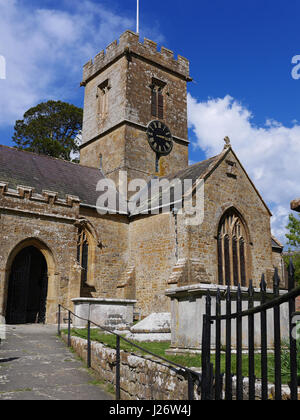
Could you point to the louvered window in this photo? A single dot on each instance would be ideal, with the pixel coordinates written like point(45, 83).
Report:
point(157, 98)
point(160, 105)
point(154, 103)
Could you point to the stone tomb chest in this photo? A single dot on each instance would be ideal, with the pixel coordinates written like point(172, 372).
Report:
point(188, 308)
point(109, 313)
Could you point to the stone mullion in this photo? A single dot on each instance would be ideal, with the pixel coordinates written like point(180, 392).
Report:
point(220, 260)
point(223, 259)
point(239, 259)
point(231, 267)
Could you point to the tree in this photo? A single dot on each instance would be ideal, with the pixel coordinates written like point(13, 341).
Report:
point(294, 231)
point(294, 241)
point(51, 128)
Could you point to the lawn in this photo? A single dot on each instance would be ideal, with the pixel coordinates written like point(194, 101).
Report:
point(190, 360)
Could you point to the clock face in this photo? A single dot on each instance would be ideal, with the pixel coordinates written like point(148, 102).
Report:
point(160, 138)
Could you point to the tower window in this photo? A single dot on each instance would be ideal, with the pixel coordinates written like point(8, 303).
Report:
point(157, 98)
point(232, 250)
point(102, 96)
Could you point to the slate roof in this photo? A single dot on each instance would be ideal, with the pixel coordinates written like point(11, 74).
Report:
point(147, 199)
point(46, 173)
point(197, 170)
point(276, 244)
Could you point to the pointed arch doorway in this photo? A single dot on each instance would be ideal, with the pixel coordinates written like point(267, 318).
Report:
point(27, 288)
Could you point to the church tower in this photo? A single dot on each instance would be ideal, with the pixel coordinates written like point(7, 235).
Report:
point(135, 110)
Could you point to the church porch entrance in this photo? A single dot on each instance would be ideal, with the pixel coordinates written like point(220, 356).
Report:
point(27, 288)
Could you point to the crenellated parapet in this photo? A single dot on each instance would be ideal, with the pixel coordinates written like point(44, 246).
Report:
point(129, 44)
point(17, 200)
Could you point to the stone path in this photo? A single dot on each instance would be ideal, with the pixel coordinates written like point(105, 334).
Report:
point(36, 365)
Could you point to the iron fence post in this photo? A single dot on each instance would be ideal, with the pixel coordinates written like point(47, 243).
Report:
point(89, 345)
point(277, 340)
point(264, 342)
point(251, 349)
point(190, 387)
point(293, 342)
point(69, 329)
point(58, 321)
point(239, 345)
point(118, 370)
point(206, 343)
point(218, 378)
point(228, 376)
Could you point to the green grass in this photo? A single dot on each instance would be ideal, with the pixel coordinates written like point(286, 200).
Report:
point(190, 360)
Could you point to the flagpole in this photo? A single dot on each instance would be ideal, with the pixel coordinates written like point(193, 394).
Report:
point(138, 17)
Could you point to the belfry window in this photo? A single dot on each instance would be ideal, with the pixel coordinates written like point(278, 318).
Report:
point(83, 254)
point(102, 95)
point(232, 253)
point(157, 98)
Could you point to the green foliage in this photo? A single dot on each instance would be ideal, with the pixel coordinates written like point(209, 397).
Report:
point(51, 129)
point(296, 261)
point(294, 231)
point(294, 241)
point(285, 358)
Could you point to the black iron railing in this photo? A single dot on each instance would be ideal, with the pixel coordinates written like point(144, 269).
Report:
point(191, 376)
point(212, 378)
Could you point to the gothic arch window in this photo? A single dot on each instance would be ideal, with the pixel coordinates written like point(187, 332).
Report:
point(232, 250)
point(83, 254)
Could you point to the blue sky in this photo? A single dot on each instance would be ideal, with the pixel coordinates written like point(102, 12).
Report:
point(240, 53)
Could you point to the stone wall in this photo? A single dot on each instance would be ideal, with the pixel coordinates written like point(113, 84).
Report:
point(144, 379)
point(28, 219)
point(50, 225)
point(222, 192)
point(111, 254)
point(152, 245)
point(141, 377)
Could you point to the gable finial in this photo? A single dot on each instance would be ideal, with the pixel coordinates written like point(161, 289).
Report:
point(227, 142)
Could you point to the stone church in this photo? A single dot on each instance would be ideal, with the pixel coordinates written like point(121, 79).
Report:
point(55, 246)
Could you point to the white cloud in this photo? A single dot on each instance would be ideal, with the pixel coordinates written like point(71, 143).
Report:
point(45, 50)
point(270, 153)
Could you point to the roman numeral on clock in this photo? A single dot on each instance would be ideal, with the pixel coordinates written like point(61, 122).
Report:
point(160, 138)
